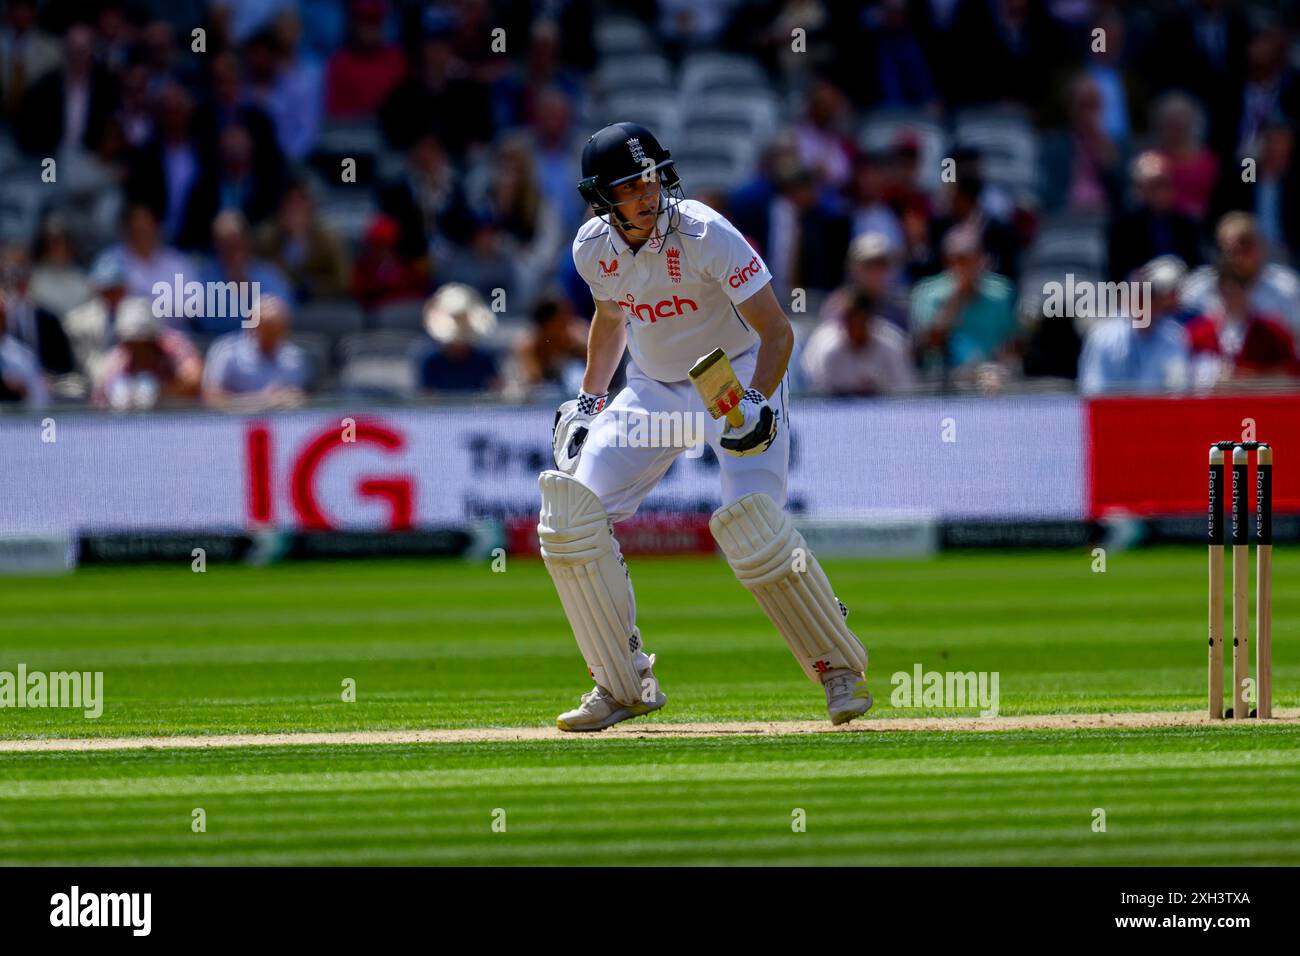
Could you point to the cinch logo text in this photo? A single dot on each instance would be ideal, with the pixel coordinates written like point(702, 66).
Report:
point(663, 309)
point(744, 273)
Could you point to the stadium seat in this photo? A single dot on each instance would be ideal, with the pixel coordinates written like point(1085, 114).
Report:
point(1068, 246)
point(389, 165)
point(378, 376)
point(349, 210)
point(741, 151)
point(705, 72)
point(882, 129)
point(406, 315)
point(19, 210)
point(387, 343)
point(509, 330)
point(1007, 145)
point(357, 141)
point(1071, 220)
point(710, 169)
point(332, 317)
point(318, 348)
point(813, 301)
point(622, 37)
point(642, 73)
point(1033, 288)
point(705, 172)
point(350, 138)
point(657, 110)
point(757, 110)
point(990, 116)
point(9, 155)
point(737, 128)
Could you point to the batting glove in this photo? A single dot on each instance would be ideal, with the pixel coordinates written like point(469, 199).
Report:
point(572, 423)
point(757, 433)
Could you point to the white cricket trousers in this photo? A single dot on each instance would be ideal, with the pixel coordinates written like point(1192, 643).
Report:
point(621, 472)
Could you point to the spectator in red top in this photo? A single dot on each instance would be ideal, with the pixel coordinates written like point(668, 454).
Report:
point(1083, 165)
point(1233, 340)
point(1243, 253)
point(1192, 167)
point(381, 273)
point(910, 203)
point(823, 145)
point(359, 77)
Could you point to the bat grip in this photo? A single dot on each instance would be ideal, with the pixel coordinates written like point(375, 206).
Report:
point(735, 418)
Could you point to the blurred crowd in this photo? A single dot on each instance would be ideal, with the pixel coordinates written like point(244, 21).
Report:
point(402, 190)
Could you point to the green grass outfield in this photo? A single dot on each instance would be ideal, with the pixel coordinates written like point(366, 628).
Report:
point(445, 644)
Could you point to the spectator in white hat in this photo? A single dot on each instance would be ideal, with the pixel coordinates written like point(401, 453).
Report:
point(1149, 351)
point(90, 325)
point(457, 320)
point(149, 364)
point(872, 269)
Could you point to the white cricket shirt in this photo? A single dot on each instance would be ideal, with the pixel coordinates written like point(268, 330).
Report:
point(677, 294)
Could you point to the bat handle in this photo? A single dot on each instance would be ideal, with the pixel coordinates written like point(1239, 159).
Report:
point(735, 418)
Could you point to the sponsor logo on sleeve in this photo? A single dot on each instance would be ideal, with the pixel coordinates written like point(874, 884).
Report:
point(743, 274)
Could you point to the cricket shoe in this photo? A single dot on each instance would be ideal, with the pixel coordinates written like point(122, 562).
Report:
point(846, 695)
point(599, 709)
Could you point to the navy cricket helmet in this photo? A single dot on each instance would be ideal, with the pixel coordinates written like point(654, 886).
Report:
point(621, 153)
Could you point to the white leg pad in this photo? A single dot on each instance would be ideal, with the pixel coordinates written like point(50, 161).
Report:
point(772, 560)
point(579, 551)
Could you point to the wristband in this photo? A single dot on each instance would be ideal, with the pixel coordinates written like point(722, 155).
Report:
point(589, 404)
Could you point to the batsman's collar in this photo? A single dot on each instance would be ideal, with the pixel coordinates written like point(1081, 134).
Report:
point(654, 244)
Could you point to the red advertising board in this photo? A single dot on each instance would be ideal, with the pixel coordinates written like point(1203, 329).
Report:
point(1150, 456)
point(642, 534)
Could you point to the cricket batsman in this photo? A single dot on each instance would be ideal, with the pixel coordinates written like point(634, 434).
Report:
point(673, 281)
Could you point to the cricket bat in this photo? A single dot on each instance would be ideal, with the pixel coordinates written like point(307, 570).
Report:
point(717, 384)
